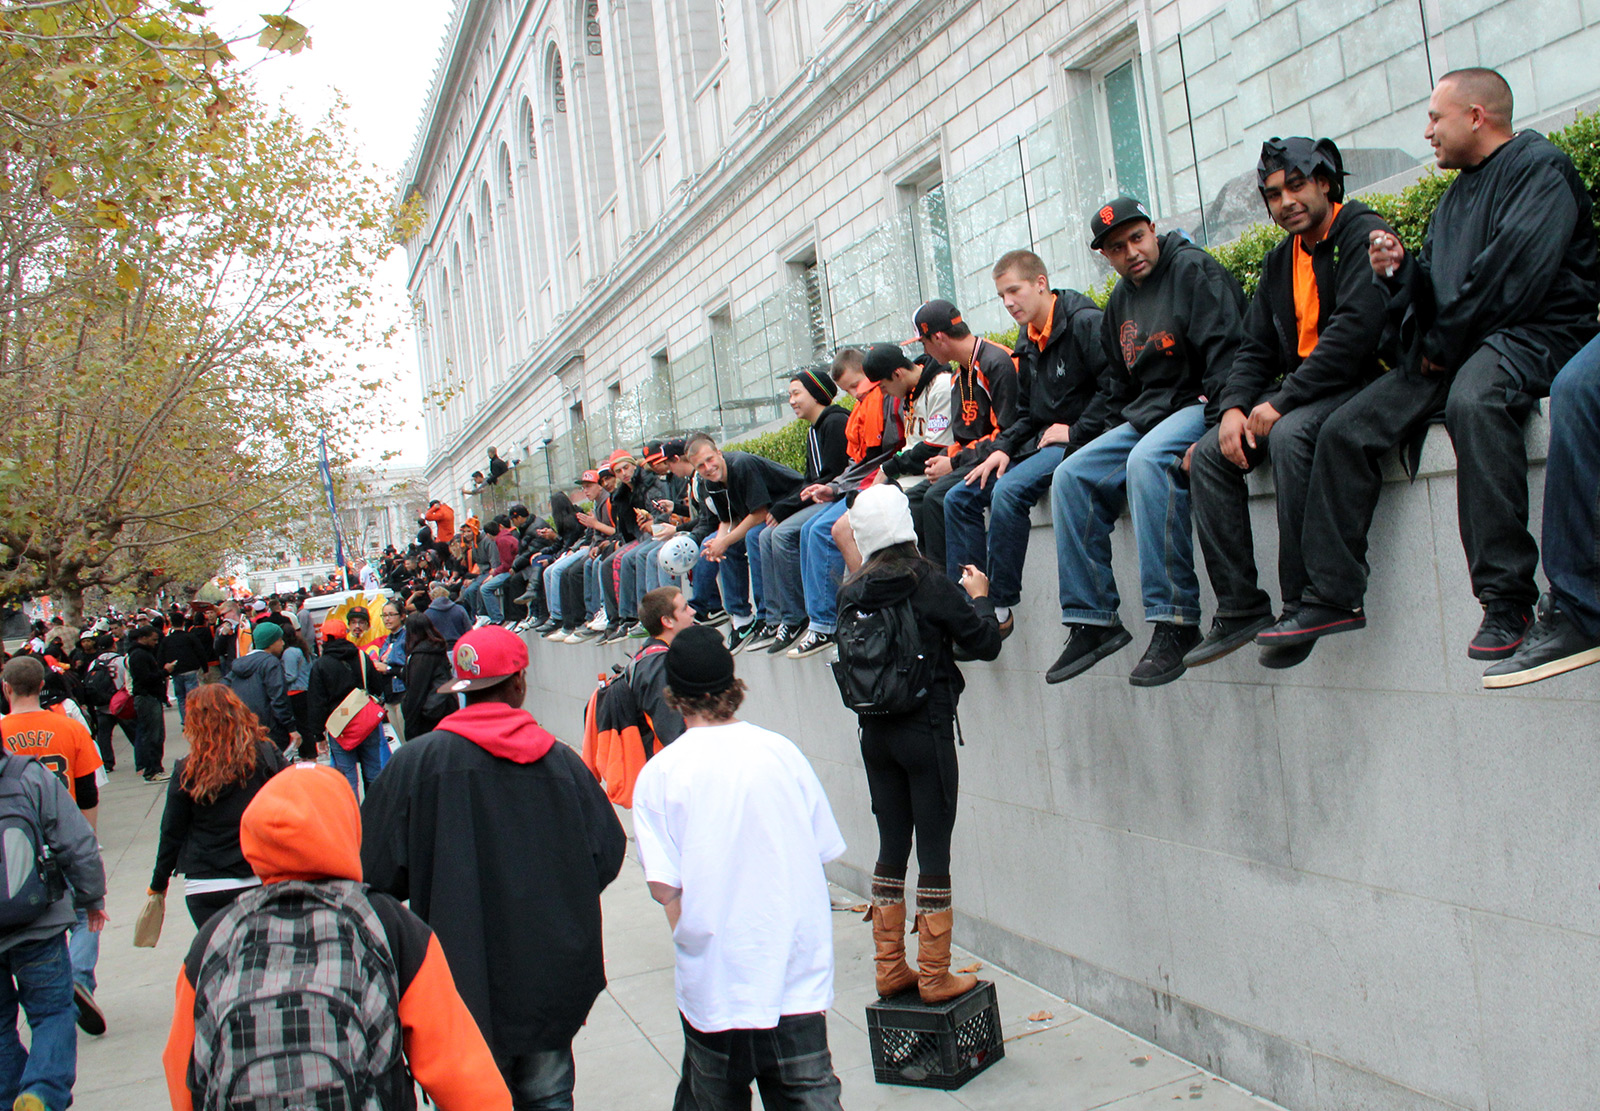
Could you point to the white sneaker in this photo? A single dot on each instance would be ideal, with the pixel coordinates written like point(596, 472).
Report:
point(558, 633)
point(572, 638)
point(481, 622)
point(599, 623)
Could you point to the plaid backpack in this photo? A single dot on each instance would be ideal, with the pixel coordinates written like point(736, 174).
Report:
point(296, 1005)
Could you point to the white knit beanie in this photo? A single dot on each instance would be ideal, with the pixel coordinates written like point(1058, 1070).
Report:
point(881, 517)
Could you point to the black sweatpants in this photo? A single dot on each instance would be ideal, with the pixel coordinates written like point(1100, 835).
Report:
point(912, 779)
point(1485, 404)
point(927, 512)
point(1221, 503)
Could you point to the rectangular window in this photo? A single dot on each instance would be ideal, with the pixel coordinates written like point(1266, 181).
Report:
point(924, 202)
point(810, 328)
point(1127, 164)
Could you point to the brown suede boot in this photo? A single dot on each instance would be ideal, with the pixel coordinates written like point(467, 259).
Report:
point(935, 982)
point(894, 975)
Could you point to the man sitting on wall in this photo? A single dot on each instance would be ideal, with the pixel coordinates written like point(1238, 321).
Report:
point(1501, 295)
point(1310, 343)
point(1172, 329)
point(1060, 361)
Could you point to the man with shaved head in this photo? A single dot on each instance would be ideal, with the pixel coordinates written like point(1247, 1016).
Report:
point(1501, 295)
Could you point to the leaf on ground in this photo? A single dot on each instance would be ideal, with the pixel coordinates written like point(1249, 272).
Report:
point(862, 909)
point(1140, 1062)
point(973, 967)
point(1040, 1016)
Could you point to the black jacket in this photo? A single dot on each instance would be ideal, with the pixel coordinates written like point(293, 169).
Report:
point(983, 401)
point(335, 674)
point(146, 676)
point(647, 675)
point(1510, 261)
point(506, 861)
point(186, 651)
point(1350, 322)
point(825, 457)
point(1055, 384)
point(201, 840)
point(422, 707)
point(1171, 338)
point(945, 615)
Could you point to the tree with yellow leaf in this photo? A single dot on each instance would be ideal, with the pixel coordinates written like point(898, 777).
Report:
point(181, 273)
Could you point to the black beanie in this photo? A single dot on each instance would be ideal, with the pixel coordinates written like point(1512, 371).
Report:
point(699, 663)
point(817, 383)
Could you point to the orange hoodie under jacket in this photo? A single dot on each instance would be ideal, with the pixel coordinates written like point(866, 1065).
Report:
point(305, 825)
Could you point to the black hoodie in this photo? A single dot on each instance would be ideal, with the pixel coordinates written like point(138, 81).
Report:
point(825, 457)
point(944, 614)
point(336, 673)
point(1349, 322)
point(1173, 336)
point(1056, 384)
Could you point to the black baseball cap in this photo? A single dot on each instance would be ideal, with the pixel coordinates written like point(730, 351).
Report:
point(1112, 215)
point(674, 448)
point(933, 316)
point(883, 359)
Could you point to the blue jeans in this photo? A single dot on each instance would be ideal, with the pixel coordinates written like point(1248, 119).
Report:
point(1009, 500)
point(370, 756)
point(84, 948)
point(758, 580)
point(470, 600)
point(706, 592)
point(636, 576)
point(38, 975)
point(789, 1063)
point(821, 567)
point(182, 683)
point(594, 597)
point(780, 567)
point(489, 594)
point(733, 579)
point(552, 579)
point(539, 1081)
point(1572, 491)
point(1144, 473)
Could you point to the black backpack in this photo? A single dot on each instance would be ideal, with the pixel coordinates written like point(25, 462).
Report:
point(99, 685)
point(882, 667)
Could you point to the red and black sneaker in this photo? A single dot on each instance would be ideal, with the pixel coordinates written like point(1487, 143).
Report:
point(1504, 626)
point(1310, 621)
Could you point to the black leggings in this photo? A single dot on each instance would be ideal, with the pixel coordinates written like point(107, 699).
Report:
point(203, 906)
point(912, 778)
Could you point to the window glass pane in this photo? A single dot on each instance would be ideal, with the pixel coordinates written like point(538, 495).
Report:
point(1127, 136)
point(935, 226)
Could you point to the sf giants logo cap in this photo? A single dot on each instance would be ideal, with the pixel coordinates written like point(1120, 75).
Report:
point(1114, 213)
point(933, 316)
point(484, 657)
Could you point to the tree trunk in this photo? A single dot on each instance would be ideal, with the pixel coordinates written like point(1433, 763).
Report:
point(72, 605)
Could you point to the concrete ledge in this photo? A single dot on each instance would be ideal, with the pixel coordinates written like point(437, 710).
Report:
point(1362, 883)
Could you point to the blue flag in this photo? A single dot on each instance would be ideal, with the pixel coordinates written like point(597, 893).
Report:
point(327, 488)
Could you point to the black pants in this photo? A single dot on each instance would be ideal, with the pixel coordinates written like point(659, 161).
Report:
point(203, 906)
point(789, 1063)
point(300, 706)
point(1485, 405)
point(572, 603)
point(927, 512)
point(912, 779)
point(1221, 501)
point(150, 733)
point(105, 727)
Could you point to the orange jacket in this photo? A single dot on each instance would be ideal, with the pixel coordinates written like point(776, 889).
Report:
point(444, 521)
point(304, 825)
point(864, 430)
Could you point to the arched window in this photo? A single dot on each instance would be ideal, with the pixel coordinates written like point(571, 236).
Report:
point(540, 265)
point(494, 294)
point(562, 169)
point(511, 250)
point(594, 120)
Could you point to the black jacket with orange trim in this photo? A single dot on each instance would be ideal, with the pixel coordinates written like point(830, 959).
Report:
point(983, 400)
point(1056, 383)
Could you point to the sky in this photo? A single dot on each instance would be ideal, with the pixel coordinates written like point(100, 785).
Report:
point(380, 56)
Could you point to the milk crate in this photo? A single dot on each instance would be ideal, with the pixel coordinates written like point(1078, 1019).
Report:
point(943, 1045)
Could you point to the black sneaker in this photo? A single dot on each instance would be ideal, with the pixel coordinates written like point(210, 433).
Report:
point(782, 637)
point(713, 617)
point(1162, 661)
point(1228, 634)
point(156, 777)
point(91, 1019)
point(1504, 626)
point(1086, 646)
point(1310, 621)
point(1290, 655)
point(739, 636)
point(761, 638)
point(810, 644)
point(614, 632)
point(1553, 646)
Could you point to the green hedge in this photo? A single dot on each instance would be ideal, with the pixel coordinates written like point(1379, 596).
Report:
point(1407, 211)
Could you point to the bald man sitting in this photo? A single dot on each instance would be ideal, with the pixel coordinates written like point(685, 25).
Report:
point(1501, 295)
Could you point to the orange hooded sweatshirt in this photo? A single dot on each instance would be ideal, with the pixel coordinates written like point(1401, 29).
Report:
point(305, 825)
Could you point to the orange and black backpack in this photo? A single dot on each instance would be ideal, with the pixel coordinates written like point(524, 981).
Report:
point(618, 736)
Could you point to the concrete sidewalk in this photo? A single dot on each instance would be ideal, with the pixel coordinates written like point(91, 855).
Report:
point(628, 1055)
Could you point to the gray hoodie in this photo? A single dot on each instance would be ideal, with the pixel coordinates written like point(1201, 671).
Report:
point(257, 678)
point(71, 841)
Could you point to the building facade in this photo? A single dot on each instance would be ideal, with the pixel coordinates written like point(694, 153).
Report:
point(642, 213)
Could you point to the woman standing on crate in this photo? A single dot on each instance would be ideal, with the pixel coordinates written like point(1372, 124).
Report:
point(910, 754)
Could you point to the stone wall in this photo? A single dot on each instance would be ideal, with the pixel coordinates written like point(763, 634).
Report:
point(1364, 883)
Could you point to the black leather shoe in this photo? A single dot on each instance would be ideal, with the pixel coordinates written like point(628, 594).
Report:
point(1086, 646)
point(1310, 621)
point(1228, 634)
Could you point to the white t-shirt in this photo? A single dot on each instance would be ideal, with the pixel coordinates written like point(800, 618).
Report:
point(735, 817)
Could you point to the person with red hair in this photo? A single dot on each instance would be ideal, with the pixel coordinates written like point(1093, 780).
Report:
point(230, 759)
